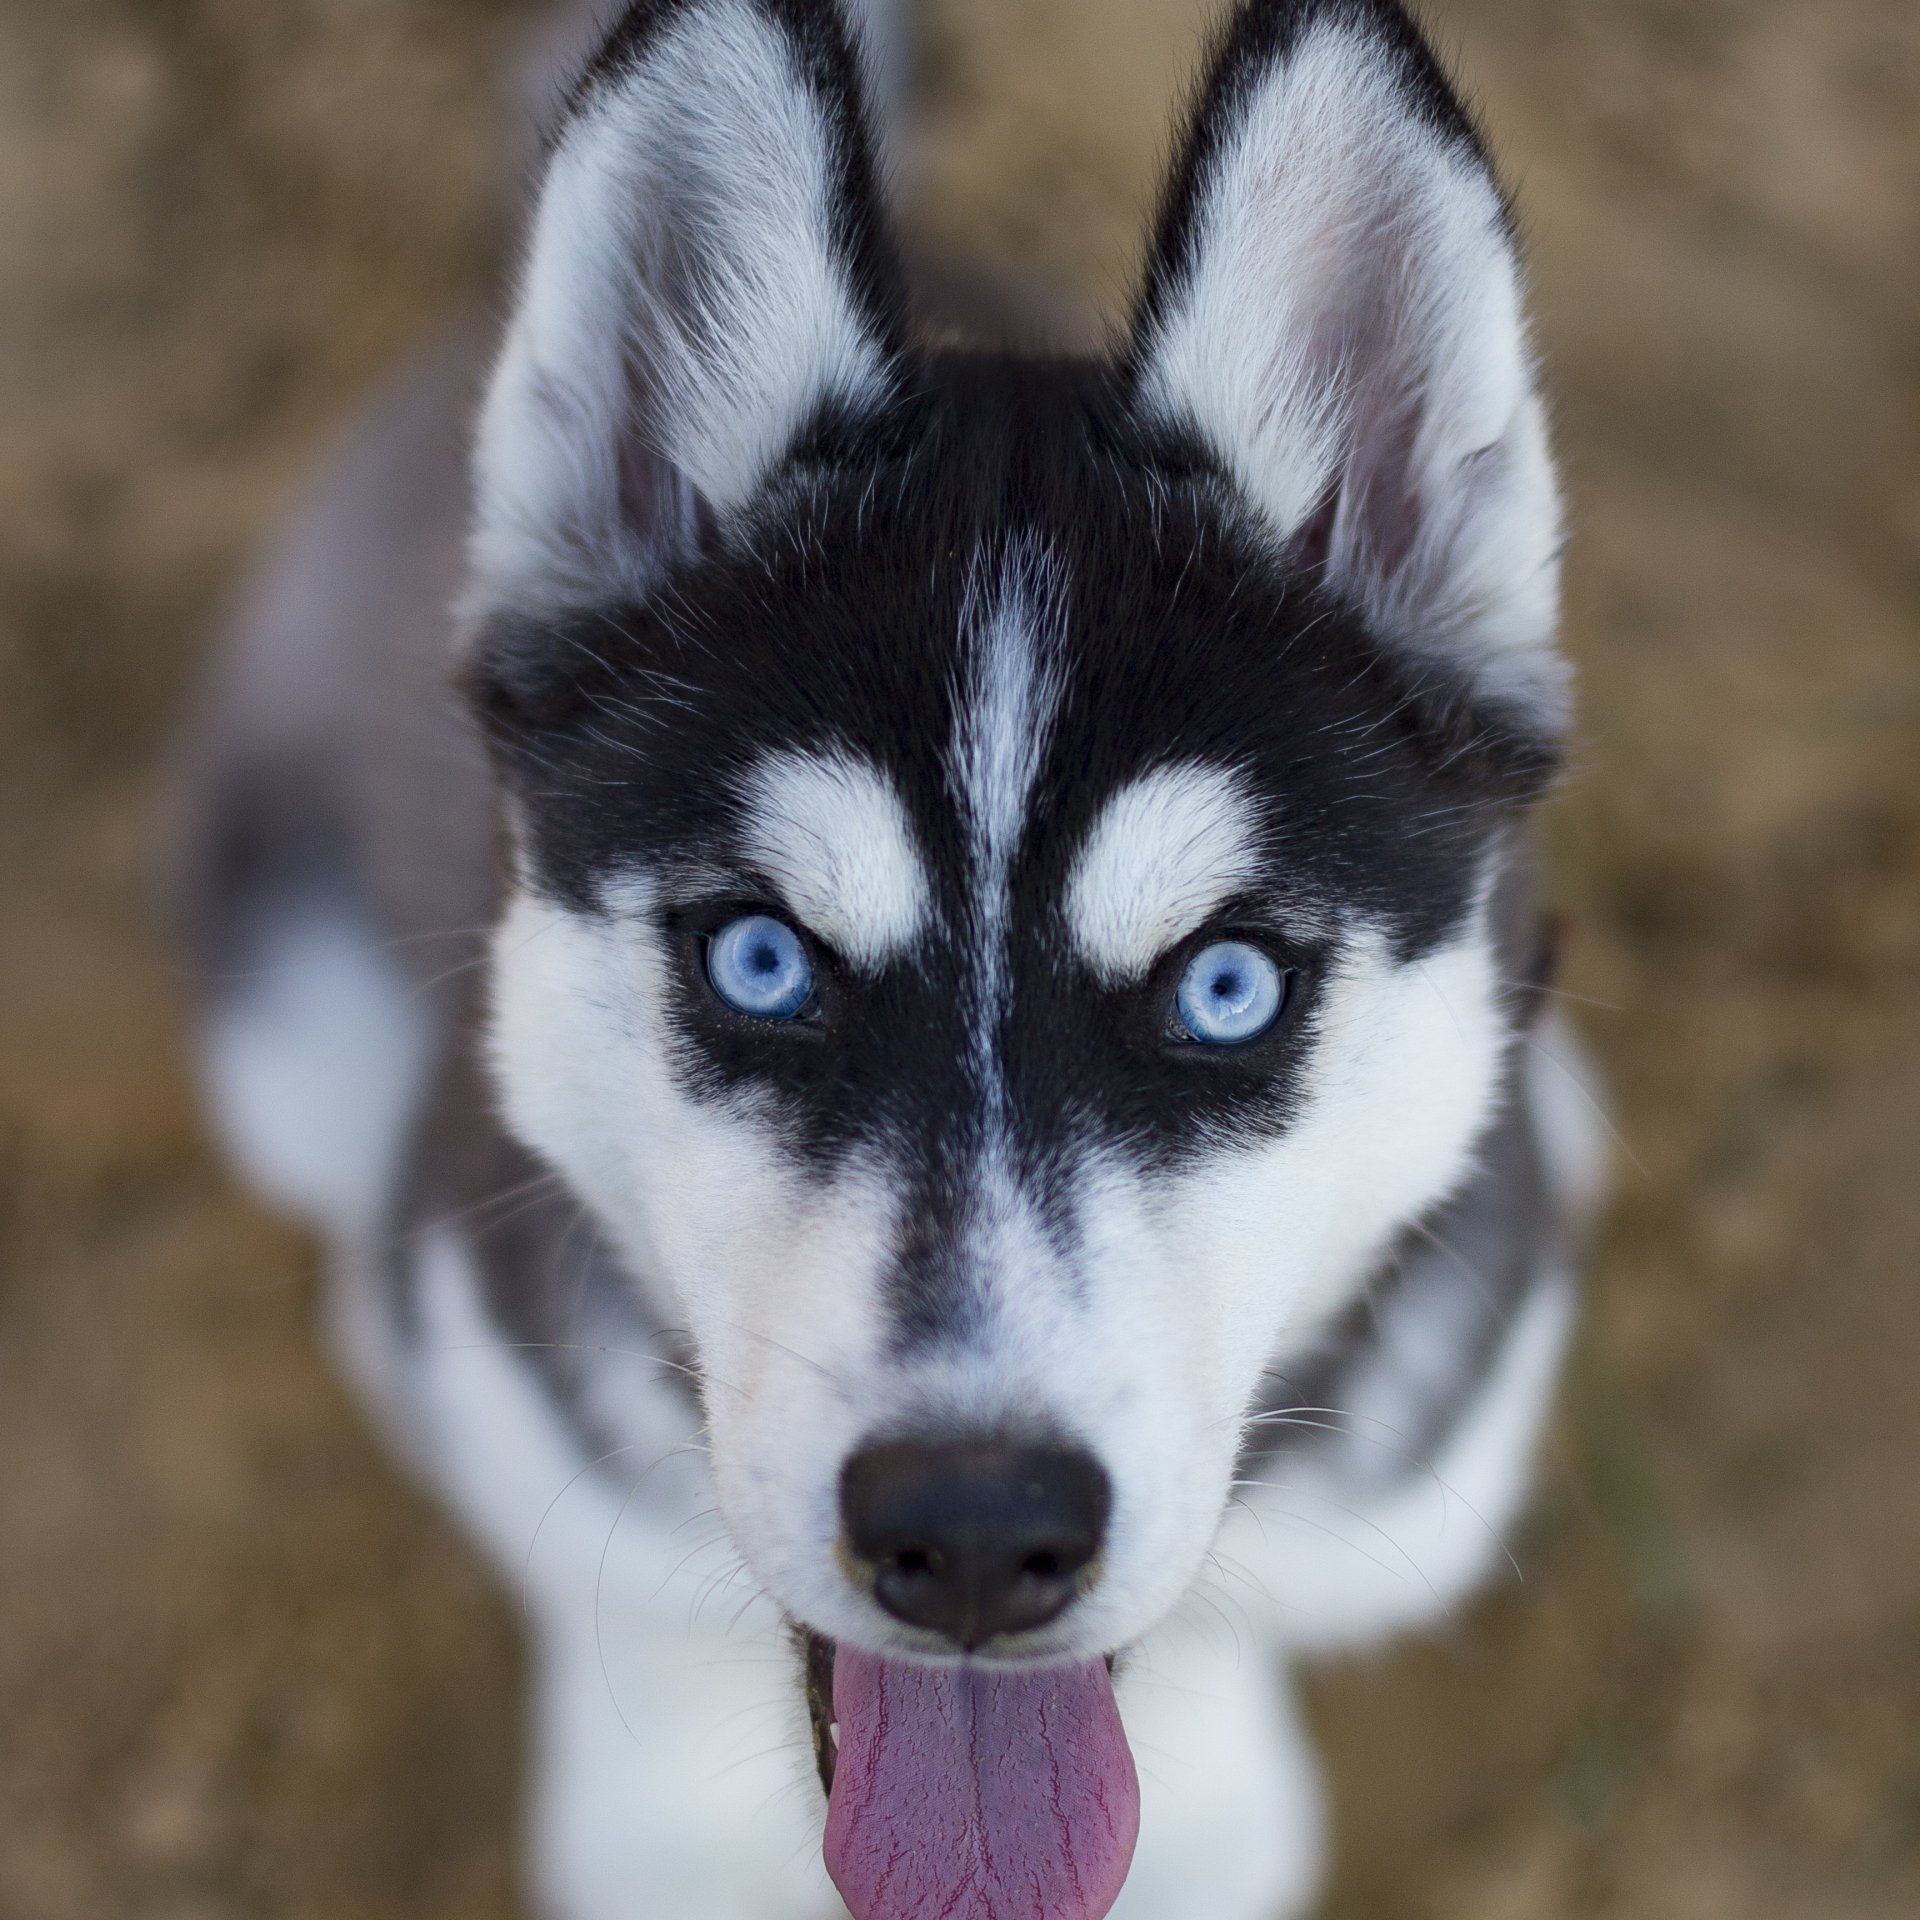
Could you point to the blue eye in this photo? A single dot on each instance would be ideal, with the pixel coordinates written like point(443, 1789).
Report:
point(1231, 992)
point(758, 966)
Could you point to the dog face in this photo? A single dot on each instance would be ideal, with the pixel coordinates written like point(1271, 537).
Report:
point(1005, 853)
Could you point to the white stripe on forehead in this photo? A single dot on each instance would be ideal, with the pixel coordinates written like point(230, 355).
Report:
point(1011, 627)
point(1011, 623)
point(832, 834)
point(1164, 853)
point(1013, 688)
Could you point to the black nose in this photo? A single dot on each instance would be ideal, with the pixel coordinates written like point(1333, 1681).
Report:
point(975, 1540)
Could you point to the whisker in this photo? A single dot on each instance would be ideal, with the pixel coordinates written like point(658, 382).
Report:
point(806, 1360)
point(599, 1623)
point(526, 1564)
point(1595, 1106)
point(1318, 1526)
point(566, 1346)
point(1562, 993)
point(1461, 1264)
point(506, 1197)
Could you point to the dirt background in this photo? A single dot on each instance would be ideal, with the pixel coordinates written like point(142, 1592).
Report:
point(244, 1672)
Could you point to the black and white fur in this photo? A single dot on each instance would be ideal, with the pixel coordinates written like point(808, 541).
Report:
point(1007, 679)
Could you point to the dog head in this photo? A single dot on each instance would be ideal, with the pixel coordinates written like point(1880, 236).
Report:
point(1004, 852)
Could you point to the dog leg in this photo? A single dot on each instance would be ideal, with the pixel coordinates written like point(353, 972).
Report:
point(1232, 1820)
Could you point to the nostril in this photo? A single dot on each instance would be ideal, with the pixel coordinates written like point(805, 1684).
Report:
point(1042, 1566)
point(913, 1560)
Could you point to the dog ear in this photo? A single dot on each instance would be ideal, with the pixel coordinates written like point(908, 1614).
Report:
point(1333, 310)
point(709, 270)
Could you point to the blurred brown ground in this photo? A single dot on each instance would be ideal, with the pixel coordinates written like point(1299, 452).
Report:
point(243, 1672)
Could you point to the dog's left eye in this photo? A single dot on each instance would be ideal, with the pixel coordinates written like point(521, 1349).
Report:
point(759, 967)
point(1230, 993)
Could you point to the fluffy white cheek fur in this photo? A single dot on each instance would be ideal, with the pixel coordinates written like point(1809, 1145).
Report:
point(771, 1270)
point(1202, 1280)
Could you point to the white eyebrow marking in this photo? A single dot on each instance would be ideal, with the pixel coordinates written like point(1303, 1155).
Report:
point(1165, 852)
point(832, 833)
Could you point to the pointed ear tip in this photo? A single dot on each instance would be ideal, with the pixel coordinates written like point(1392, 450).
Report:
point(1258, 38)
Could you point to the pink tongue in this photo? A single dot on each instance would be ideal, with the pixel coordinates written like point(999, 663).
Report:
point(979, 1793)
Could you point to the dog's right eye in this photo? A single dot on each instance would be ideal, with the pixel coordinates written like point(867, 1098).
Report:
point(758, 966)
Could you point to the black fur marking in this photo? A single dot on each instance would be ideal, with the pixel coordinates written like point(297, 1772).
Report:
point(1253, 40)
point(837, 621)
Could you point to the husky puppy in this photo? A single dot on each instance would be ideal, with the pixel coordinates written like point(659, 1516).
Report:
point(1005, 1182)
